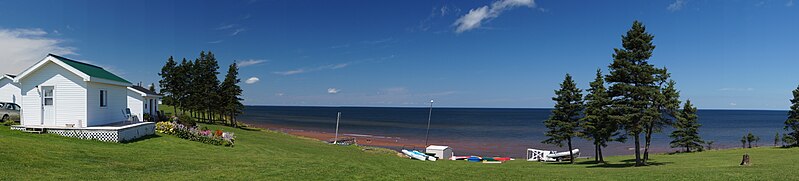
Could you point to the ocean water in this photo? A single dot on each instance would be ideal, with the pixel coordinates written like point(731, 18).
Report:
point(498, 131)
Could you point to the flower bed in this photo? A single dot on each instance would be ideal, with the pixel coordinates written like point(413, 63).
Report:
point(216, 137)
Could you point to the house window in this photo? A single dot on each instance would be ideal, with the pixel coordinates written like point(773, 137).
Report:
point(103, 98)
point(145, 105)
point(48, 96)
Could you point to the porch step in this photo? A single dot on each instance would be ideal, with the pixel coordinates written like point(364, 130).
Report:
point(34, 130)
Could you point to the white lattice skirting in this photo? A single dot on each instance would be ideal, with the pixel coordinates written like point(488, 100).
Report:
point(108, 134)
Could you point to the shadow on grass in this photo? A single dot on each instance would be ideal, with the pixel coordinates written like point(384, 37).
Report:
point(625, 164)
point(142, 138)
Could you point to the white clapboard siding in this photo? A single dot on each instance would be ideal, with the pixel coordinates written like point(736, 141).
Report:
point(136, 104)
point(70, 96)
point(117, 101)
point(9, 91)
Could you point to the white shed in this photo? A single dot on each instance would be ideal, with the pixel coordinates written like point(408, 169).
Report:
point(143, 101)
point(9, 91)
point(442, 152)
point(60, 92)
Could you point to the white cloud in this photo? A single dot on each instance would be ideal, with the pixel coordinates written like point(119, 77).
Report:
point(333, 91)
point(250, 62)
point(789, 3)
point(476, 17)
point(314, 69)
point(21, 48)
point(676, 6)
point(252, 80)
point(215, 42)
point(237, 31)
point(733, 104)
point(224, 27)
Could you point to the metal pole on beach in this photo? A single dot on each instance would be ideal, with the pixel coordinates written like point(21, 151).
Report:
point(430, 114)
point(335, 140)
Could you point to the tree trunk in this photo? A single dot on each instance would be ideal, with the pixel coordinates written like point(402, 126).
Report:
point(750, 144)
point(647, 140)
point(596, 152)
point(638, 150)
point(601, 157)
point(571, 154)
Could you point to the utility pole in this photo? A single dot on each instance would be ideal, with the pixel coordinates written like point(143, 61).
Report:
point(429, 115)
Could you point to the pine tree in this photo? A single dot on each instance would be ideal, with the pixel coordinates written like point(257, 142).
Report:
point(633, 83)
point(751, 138)
point(167, 83)
point(665, 109)
point(743, 142)
point(597, 126)
point(686, 130)
point(564, 122)
point(230, 93)
point(152, 87)
point(181, 85)
point(792, 123)
point(776, 139)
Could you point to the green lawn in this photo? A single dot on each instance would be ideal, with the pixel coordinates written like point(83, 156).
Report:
point(263, 155)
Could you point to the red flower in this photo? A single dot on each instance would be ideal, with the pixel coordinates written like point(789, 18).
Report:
point(218, 133)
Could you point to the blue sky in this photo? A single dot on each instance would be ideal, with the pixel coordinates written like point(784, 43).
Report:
point(508, 53)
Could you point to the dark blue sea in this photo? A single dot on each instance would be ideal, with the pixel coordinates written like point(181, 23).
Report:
point(494, 131)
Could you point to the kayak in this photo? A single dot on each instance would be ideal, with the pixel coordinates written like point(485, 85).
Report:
point(502, 158)
point(459, 157)
point(414, 155)
point(474, 159)
point(428, 157)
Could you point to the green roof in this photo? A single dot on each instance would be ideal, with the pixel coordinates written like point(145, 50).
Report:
point(91, 70)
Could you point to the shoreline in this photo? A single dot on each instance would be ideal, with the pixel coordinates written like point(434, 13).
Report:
point(398, 143)
point(361, 139)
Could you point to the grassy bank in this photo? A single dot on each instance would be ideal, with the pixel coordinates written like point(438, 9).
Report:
point(276, 156)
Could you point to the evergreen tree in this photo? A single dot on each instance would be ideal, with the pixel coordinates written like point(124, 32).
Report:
point(167, 82)
point(788, 140)
point(152, 87)
point(230, 94)
point(792, 123)
point(597, 126)
point(751, 138)
point(210, 84)
point(776, 139)
point(181, 85)
point(633, 83)
point(665, 109)
point(564, 122)
point(686, 130)
point(743, 142)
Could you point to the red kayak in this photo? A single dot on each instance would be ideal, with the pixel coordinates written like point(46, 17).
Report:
point(502, 158)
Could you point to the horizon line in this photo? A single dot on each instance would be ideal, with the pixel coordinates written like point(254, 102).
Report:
point(473, 107)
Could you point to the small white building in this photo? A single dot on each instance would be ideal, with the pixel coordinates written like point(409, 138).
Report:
point(441, 152)
point(9, 91)
point(60, 92)
point(143, 101)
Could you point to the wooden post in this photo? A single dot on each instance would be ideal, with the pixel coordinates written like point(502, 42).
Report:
point(745, 160)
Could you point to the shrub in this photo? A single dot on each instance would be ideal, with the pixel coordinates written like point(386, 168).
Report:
point(186, 120)
point(147, 117)
point(217, 137)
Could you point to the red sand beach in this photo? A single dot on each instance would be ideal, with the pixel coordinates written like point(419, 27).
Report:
point(461, 147)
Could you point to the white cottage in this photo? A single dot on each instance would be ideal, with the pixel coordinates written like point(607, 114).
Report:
point(9, 91)
point(143, 101)
point(60, 92)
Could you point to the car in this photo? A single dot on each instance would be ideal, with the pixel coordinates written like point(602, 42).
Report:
point(9, 111)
